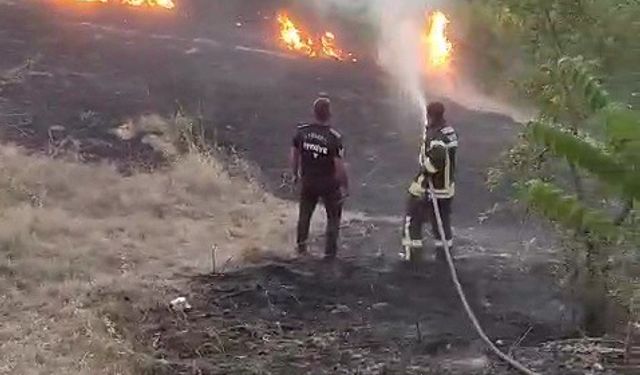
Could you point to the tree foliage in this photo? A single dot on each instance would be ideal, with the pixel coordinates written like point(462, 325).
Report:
point(543, 31)
point(590, 156)
point(575, 74)
point(578, 162)
point(613, 160)
point(567, 210)
point(623, 134)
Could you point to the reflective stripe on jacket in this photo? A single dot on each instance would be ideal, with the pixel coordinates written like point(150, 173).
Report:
point(437, 160)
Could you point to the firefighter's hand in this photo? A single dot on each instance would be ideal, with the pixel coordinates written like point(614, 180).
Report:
point(289, 180)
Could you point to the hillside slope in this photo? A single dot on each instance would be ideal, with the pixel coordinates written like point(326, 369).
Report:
point(72, 236)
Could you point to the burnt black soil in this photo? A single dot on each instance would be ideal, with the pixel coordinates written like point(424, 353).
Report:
point(95, 66)
point(359, 315)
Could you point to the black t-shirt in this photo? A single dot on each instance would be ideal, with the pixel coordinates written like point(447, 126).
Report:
point(318, 146)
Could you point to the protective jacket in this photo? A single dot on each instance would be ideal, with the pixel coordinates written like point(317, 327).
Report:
point(437, 159)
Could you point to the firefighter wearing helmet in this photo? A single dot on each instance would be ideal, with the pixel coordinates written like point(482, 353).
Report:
point(437, 163)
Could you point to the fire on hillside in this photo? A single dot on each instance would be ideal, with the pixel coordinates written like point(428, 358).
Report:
point(166, 4)
point(438, 47)
point(294, 38)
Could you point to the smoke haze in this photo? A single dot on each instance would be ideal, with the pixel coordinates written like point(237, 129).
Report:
point(399, 26)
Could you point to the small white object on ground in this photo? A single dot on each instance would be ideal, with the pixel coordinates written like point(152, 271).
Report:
point(379, 306)
point(341, 309)
point(471, 364)
point(598, 367)
point(180, 304)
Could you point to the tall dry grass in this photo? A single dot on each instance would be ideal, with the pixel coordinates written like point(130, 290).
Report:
point(73, 235)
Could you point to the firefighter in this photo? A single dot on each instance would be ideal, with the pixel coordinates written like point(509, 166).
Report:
point(437, 162)
point(317, 163)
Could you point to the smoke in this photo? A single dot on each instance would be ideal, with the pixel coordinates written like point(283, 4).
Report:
point(399, 49)
point(398, 25)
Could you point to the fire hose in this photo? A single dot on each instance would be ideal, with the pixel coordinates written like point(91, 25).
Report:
point(463, 298)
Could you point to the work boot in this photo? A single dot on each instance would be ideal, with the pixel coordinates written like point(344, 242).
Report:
point(417, 256)
point(302, 250)
point(329, 256)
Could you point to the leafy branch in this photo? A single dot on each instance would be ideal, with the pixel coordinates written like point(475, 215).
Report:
point(590, 156)
point(567, 210)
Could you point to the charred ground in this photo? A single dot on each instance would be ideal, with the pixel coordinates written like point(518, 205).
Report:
point(95, 67)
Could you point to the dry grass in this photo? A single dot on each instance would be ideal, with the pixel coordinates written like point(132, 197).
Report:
point(71, 235)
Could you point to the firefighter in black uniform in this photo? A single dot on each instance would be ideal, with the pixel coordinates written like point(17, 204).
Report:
point(317, 162)
point(437, 162)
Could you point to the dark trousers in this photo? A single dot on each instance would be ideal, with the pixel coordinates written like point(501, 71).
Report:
point(418, 212)
point(331, 197)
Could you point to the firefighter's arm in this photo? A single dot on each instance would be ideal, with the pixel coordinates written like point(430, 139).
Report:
point(340, 167)
point(433, 159)
point(294, 162)
point(341, 173)
point(294, 157)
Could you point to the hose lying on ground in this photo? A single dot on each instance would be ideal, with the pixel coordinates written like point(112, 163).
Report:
point(454, 276)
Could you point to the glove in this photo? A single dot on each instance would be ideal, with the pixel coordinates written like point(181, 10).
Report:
point(417, 190)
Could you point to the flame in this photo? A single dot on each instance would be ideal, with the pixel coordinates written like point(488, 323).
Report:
point(439, 48)
point(167, 4)
point(295, 39)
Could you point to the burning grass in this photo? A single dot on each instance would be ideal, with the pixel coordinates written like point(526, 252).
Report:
point(294, 38)
point(438, 47)
point(166, 4)
point(74, 237)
